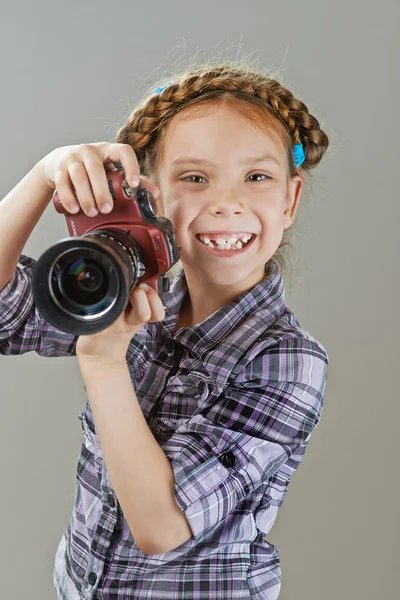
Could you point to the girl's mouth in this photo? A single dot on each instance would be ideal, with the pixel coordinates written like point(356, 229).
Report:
point(227, 253)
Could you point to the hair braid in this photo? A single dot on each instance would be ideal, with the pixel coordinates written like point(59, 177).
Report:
point(146, 123)
point(260, 98)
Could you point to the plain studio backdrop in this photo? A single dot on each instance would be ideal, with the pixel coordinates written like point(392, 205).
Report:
point(71, 72)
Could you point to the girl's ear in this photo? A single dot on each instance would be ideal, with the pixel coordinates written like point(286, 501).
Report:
point(293, 193)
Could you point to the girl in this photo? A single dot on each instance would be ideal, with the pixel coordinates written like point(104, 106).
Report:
point(197, 415)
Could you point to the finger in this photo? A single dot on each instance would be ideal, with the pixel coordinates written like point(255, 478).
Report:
point(151, 187)
point(144, 181)
point(65, 191)
point(146, 307)
point(81, 183)
point(125, 155)
point(156, 305)
point(140, 312)
point(98, 181)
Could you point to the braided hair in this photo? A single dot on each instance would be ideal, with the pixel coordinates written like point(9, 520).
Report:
point(262, 99)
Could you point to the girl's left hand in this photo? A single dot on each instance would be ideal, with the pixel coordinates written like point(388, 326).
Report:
point(111, 345)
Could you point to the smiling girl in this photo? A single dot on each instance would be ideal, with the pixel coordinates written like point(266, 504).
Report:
point(197, 415)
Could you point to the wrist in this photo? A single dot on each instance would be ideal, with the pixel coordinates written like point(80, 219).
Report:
point(91, 363)
point(40, 170)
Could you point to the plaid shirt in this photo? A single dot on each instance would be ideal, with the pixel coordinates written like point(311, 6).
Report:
point(232, 402)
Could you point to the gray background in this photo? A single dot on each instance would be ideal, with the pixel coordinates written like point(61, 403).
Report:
point(70, 74)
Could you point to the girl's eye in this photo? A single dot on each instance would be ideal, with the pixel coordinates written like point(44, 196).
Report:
point(262, 175)
point(254, 175)
point(189, 176)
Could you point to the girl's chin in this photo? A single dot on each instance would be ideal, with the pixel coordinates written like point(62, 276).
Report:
point(224, 275)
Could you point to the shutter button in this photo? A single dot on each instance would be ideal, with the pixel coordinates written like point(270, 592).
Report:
point(227, 459)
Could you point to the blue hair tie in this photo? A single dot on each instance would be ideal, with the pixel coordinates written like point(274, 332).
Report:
point(298, 154)
point(161, 89)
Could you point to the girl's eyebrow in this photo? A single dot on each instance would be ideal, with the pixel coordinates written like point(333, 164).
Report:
point(202, 161)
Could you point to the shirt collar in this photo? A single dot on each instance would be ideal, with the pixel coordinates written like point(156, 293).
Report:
point(262, 304)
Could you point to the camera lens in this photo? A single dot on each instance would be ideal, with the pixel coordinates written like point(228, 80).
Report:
point(81, 281)
point(81, 285)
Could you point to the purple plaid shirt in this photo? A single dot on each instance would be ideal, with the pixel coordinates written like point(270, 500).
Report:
point(232, 402)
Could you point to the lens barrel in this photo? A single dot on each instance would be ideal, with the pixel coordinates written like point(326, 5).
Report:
point(81, 285)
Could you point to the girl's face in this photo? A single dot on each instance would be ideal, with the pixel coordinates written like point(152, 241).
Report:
point(220, 173)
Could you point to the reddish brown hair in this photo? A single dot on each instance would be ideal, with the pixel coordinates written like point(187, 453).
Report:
point(262, 99)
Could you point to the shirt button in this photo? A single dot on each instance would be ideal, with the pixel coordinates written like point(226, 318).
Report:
point(202, 387)
point(227, 459)
point(92, 578)
point(110, 500)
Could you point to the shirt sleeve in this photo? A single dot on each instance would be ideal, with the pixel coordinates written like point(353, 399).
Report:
point(222, 456)
point(22, 327)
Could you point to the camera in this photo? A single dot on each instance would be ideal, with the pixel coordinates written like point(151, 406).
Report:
point(82, 283)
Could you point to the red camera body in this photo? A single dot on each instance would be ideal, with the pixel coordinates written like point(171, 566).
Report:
point(132, 213)
point(82, 283)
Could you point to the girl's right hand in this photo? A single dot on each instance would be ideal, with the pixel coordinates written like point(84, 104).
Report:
point(78, 173)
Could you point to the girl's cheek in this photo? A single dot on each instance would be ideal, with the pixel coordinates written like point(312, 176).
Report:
point(180, 193)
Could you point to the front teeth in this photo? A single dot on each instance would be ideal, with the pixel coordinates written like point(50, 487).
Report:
point(223, 242)
point(230, 243)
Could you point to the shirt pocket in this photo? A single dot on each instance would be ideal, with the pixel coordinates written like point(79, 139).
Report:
point(185, 395)
point(264, 571)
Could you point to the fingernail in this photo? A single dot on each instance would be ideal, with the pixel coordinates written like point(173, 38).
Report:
point(135, 181)
point(144, 286)
point(106, 208)
point(92, 212)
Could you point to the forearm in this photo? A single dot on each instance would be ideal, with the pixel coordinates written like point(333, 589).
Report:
point(139, 470)
point(20, 212)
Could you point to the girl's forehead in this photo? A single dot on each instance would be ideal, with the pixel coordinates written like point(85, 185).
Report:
point(198, 117)
point(214, 128)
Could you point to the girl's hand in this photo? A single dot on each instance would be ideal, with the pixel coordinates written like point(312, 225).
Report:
point(109, 347)
point(78, 173)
